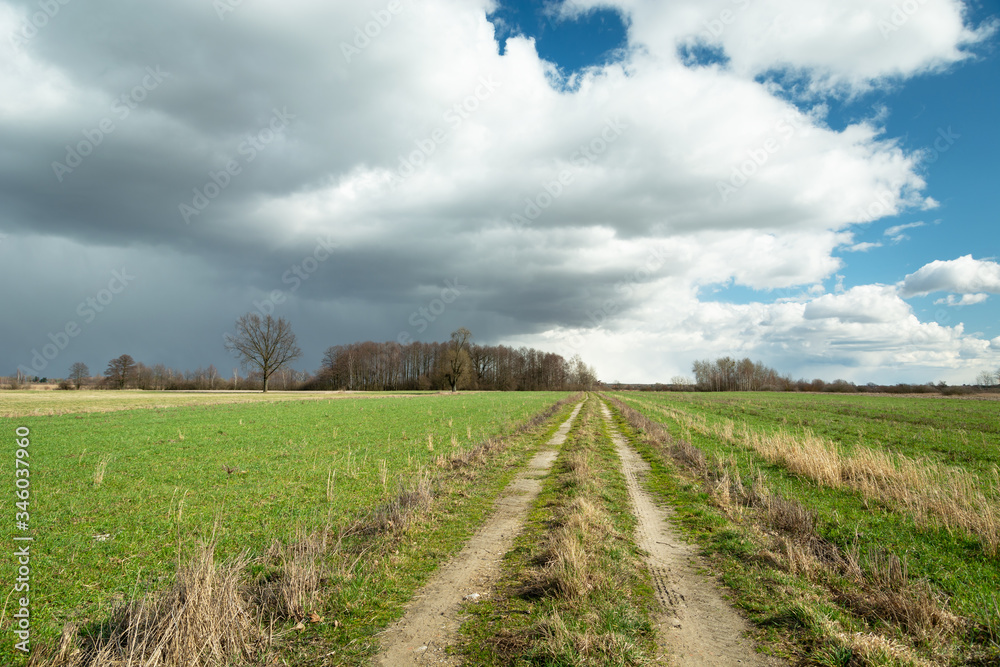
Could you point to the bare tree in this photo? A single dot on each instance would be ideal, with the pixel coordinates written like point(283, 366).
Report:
point(79, 373)
point(120, 370)
point(985, 379)
point(266, 344)
point(457, 362)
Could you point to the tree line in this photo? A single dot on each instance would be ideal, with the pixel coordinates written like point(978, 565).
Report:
point(390, 366)
point(266, 347)
point(728, 374)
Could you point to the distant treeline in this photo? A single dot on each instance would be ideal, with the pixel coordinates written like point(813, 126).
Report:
point(728, 374)
point(371, 366)
point(835, 387)
point(364, 366)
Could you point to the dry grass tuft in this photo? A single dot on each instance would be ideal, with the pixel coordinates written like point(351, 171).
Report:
point(566, 567)
point(293, 590)
point(927, 490)
point(204, 619)
point(868, 649)
point(396, 514)
point(102, 467)
point(886, 593)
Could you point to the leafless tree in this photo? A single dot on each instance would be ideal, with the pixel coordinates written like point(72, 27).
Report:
point(120, 371)
point(266, 344)
point(985, 379)
point(79, 373)
point(457, 362)
point(370, 366)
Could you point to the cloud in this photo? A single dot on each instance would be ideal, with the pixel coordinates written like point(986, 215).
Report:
point(596, 208)
point(896, 234)
point(862, 247)
point(864, 304)
point(966, 300)
point(964, 275)
point(864, 334)
point(829, 45)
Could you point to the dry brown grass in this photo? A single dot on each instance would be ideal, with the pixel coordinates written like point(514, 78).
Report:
point(885, 592)
point(205, 618)
point(875, 586)
point(294, 589)
point(564, 565)
point(588, 646)
point(397, 514)
point(928, 491)
point(101, 469)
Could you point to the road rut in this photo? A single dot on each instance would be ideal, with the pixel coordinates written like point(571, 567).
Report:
point(697, 625)
point(431, 622)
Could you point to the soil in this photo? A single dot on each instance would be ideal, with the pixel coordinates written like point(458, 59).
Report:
point(431, 622)
point(697, 626)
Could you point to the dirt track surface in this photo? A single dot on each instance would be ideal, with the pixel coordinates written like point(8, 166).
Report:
point(697, 626)
point(430, 624)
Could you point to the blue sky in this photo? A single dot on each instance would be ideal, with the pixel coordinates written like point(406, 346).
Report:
point(641, 182)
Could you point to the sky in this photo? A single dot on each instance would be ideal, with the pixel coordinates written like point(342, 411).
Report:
point(641, 182)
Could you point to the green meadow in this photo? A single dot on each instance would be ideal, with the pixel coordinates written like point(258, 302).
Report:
point(120, 499)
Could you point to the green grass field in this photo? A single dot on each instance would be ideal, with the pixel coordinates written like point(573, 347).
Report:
point(854, 530)
point(944, 440)
point(118, 498)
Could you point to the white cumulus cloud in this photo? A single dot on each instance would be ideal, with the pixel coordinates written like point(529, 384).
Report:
point(964, 275)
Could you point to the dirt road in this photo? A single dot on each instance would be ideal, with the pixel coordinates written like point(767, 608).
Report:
point(431, 622)
point(697, 626)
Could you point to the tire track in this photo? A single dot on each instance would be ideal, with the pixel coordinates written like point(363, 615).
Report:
point(431, 622)
point(697, 626)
